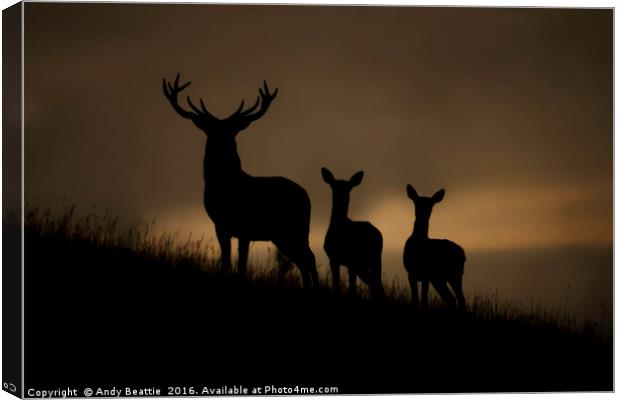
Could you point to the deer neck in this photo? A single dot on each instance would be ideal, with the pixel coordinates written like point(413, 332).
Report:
point(222, 165)
point(420, 228)
point(340, 210)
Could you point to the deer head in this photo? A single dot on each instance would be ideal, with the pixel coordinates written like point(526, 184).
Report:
point(212, 125)
point(424, 205)
point(341, 190)
point(341, 186)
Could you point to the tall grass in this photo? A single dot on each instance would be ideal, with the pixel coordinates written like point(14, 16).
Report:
point(105, 231)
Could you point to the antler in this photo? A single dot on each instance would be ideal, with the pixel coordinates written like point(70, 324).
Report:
point(172, 92)
point(264, 100)
point(201, 115)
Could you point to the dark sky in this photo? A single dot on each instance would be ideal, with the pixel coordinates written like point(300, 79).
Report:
point(510, 110)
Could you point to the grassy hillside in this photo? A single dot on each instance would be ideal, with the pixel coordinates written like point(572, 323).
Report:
point(110, 305)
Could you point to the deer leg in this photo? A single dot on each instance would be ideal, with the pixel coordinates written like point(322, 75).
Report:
point(283, 270)
point(224, 240)
point(305, 279)
point(335, 277)
point(303, 257)
point(310, 262)
point(442, 288)
point(377, 292)
point(457, 287)
point(244, 248)
point(352, 282)
point(413, 282)
point(376, 285)
point(424, 295)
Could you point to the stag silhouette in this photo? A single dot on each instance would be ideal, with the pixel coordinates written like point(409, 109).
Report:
point(354, 244)
point(438, 261)
point(242, 206)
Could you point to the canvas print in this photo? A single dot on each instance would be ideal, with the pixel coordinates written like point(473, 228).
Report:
point(308, 200)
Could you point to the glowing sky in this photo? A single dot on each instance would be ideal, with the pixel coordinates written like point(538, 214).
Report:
point(509, 110)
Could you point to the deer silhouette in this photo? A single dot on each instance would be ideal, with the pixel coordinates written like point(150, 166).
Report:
point(242, 206)
point(438, 261)
point(354, 244)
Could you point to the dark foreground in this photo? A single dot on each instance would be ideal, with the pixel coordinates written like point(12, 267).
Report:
point(98, 315)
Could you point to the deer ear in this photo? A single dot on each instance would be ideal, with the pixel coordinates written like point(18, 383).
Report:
point(437, 197)
point(357, 178)
point(413, 195)
point(328, 177)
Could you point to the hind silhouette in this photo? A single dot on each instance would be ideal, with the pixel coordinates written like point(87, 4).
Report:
point(354, 244)
point(438, 261)
point(249, 208)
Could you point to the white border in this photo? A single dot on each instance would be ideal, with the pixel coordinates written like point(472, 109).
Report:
point(458, 3)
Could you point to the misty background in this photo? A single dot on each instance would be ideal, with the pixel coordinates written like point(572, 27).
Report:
point(509, 110)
